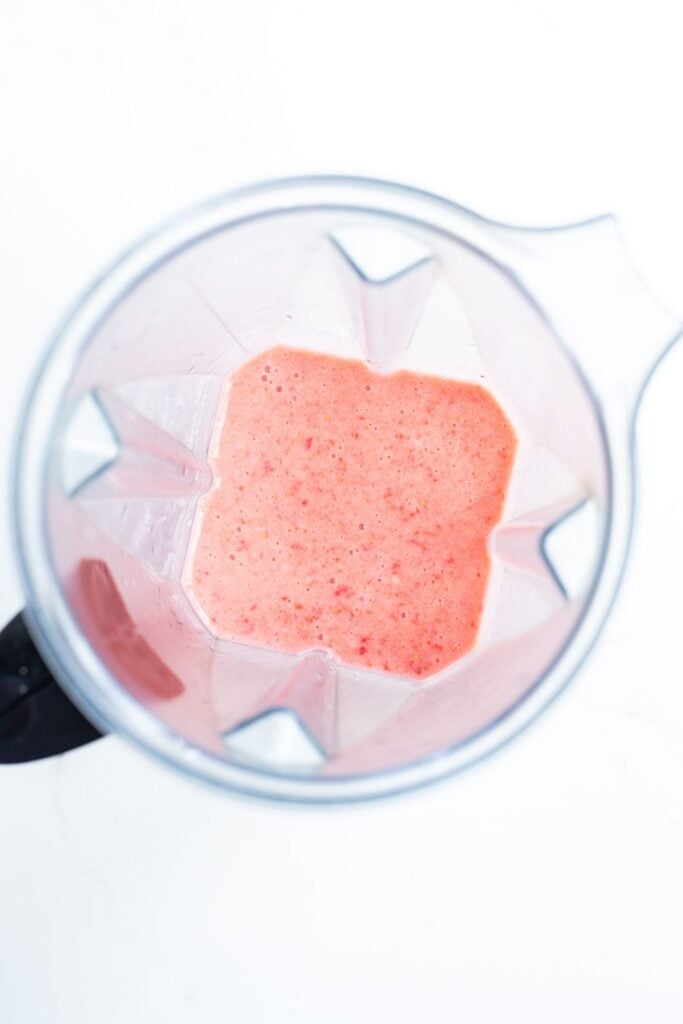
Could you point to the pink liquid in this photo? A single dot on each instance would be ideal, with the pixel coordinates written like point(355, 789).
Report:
point(351, 511)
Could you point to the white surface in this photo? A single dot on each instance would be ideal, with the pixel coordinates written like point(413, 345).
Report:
point(545, 884)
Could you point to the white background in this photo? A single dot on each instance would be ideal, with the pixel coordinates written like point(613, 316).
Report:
point(545, 885)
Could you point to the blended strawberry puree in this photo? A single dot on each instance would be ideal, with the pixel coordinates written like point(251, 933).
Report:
point(351, 511)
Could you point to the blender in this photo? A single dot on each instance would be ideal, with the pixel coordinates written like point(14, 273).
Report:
point(112, 462)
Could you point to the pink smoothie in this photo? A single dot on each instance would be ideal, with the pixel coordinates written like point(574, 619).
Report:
point(351, 511)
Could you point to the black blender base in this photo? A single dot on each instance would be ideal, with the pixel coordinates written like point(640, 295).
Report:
point(37, 719)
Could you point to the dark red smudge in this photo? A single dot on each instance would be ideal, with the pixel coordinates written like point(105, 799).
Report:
point(110, 628)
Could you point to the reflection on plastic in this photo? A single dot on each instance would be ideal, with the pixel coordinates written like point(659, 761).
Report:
point(116, 638)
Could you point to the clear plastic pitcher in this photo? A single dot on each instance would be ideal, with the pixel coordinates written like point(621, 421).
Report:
point(112, 463)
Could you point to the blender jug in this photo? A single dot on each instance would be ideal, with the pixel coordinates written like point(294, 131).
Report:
point(114, 458)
